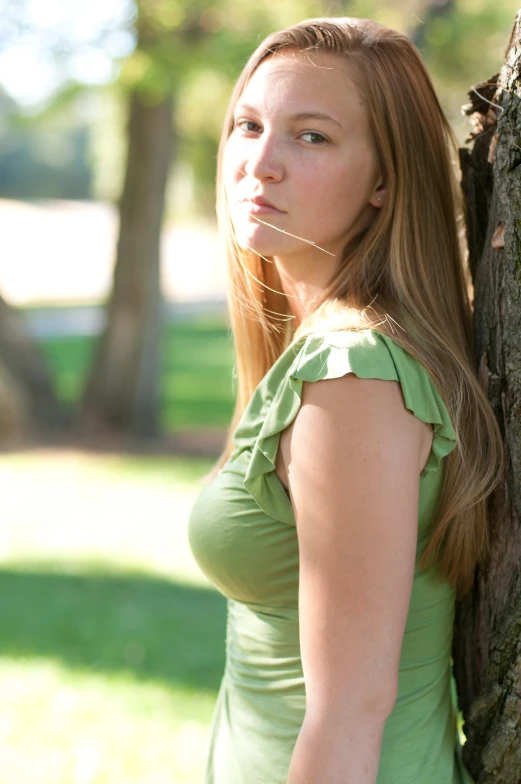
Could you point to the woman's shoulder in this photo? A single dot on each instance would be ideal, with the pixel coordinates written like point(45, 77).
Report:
point(368, 353)
point(330, 354)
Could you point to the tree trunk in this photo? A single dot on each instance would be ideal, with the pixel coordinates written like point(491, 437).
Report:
point(122, 392)
point(487, 642)
point(28, 406)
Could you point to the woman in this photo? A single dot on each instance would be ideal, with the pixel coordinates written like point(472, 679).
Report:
point(349, 508)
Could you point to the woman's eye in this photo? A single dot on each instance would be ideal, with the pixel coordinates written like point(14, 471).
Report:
point(316, 138)
point(247, 125)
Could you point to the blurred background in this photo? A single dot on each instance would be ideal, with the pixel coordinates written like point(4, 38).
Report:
point(116, 360)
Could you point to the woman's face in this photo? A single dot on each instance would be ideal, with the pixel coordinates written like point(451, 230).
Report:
point(300, 141)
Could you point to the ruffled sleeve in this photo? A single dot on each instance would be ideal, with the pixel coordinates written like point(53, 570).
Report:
point(367, 354)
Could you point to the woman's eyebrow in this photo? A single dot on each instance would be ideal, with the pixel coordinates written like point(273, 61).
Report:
point(315, 116)
point(299, 116)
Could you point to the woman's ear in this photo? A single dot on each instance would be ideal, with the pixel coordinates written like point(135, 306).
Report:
point(378, 195)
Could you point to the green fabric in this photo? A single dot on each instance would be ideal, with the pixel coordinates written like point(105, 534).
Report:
point(243, 535)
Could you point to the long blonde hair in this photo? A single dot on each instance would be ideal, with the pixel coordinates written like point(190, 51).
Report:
point(404, 276)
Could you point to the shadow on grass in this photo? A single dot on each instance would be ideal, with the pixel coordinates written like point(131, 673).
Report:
point(149, 627)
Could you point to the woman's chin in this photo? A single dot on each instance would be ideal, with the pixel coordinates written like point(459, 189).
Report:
point(263, 246)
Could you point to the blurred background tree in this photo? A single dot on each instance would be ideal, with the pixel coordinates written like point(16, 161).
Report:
point(88, 75)
point(129, 110)
point(122, 390)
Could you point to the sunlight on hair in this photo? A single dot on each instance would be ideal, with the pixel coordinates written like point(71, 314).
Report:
point(253, 307)
point(282, 231)
point(265, 285)
point(386, 317)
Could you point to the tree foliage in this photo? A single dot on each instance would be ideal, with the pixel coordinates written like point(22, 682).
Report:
point(197, 48)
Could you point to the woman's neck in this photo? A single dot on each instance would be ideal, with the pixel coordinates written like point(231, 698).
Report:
point(303, 283)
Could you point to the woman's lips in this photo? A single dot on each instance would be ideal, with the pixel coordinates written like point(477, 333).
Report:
point(258, 207)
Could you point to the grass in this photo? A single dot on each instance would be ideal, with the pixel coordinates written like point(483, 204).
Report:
point(80, 728)
point(196, 379)
point(111, 639)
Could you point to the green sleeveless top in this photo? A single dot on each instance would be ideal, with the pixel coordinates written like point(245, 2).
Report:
point(242, 533)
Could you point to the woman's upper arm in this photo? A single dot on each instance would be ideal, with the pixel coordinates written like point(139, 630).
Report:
point(353, 463)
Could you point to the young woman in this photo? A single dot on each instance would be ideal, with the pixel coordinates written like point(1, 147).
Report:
point(349, 507)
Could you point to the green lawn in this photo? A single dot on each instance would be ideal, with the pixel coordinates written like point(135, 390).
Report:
point(111, 640)
point(196, 382)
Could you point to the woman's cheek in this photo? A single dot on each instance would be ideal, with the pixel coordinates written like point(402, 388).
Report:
point(327, 194)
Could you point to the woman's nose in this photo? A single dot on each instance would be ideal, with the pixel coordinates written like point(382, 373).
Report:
point(264, 159)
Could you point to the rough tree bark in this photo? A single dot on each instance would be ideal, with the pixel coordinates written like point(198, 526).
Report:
point(121, 394)
point(487, 642)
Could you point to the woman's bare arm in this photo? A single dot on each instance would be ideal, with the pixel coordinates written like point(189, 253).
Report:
point(353, 457)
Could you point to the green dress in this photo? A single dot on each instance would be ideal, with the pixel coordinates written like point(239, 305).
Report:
point(242, 533)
